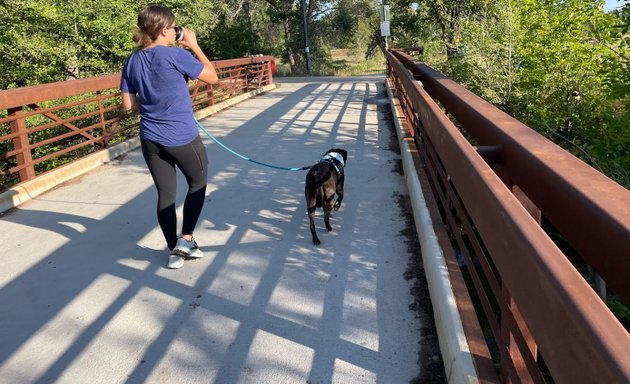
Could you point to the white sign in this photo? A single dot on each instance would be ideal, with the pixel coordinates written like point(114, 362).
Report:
point(385, 28)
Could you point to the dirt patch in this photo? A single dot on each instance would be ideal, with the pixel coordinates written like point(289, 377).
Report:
point(429, 356)
point(386, 122)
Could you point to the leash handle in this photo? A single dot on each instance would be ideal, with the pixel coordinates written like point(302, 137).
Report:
point(247, 158)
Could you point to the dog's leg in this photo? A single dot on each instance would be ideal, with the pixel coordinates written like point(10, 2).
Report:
point(338, 202)
point(311, 219)
point(311, 195)
point(339, 196)
point(328, 206)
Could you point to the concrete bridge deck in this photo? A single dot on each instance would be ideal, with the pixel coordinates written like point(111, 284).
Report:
point(85, 296)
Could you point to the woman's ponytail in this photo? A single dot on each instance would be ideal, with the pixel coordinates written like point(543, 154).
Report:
point(151, 20)
point(141, 38)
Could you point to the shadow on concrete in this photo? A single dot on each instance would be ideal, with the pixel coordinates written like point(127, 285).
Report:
point(264, 305)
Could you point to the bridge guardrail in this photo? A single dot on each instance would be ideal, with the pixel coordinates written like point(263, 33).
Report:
point(45, 126)
point(544, 317)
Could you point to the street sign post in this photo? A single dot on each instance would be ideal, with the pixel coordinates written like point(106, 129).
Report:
point(385, 22)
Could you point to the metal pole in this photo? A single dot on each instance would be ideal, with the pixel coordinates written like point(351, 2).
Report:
point(385, 23)
point(306, 50)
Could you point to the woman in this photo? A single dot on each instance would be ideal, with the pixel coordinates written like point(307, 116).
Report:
point(155, 81)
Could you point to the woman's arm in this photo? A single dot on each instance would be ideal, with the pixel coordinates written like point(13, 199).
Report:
point(130, 101)
point(208, 73)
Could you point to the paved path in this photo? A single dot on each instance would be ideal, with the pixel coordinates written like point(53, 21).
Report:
point(85, 296)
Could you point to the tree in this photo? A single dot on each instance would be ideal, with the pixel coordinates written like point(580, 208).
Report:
point(55, 40)
point(561, 67)
point(286, 15)
point(564, 80)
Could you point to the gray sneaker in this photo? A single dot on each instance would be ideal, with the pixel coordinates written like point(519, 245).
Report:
point(187, 249)
point(175, 261)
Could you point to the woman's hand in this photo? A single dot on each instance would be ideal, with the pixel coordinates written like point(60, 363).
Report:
point(189, 40)
point(208, 74)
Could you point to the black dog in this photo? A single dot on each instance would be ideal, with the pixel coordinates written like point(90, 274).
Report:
point(323, 180)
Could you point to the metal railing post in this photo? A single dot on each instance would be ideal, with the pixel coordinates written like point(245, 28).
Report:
point(21, 143)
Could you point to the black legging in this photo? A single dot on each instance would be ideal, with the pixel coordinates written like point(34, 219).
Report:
point(192, 160)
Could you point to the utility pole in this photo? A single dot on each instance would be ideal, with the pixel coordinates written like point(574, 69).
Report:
point(306, 50)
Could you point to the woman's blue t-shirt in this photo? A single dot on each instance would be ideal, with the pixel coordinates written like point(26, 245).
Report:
point(159, 76)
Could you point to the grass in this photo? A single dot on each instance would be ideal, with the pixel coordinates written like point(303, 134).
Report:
point(347, 62)
point(343, 62)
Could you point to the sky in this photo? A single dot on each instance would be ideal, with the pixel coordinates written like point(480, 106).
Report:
point(612, 4)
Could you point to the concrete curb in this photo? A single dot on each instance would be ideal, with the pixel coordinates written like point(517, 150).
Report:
point(202, 113)
point(458, 362)
point(26, 191)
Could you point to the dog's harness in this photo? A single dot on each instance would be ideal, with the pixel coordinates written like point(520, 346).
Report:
point(334, 158)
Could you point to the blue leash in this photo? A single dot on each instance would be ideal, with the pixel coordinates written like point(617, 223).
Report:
point(247, 158)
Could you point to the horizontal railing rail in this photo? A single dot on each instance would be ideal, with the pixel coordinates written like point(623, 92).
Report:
point(45, 126)
point(497, 183)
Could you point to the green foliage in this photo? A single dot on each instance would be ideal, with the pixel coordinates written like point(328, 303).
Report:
point(566, 89)
point(330, 24)
point(621, 311)
point(408, 25)
point(560, 67)
point(28, 42)
point(350, 62)
point(345, 25)
point(55, 40)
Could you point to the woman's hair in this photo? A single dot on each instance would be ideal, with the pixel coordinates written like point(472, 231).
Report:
point(151, 20)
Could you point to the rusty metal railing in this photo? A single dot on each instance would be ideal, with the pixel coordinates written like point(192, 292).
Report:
point(45, 126)
point(494, 198)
